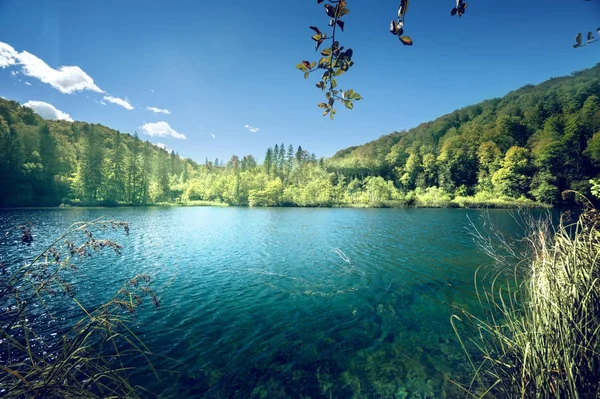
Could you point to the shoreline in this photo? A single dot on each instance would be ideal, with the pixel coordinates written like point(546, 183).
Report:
point(386, 205)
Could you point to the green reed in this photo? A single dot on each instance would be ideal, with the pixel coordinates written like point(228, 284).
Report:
point(538, 335)
point(93, 357)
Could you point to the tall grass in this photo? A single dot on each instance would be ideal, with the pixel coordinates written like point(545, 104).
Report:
point(85, 359)
point(538, 335)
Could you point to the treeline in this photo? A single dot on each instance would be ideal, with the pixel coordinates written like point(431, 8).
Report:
point(48, 163)
point(527, 146)
point(533, 143)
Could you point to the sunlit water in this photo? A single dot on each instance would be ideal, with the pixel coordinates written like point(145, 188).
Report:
point(299, 303)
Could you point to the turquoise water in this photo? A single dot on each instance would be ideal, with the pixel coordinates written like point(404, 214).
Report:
point(299, 303)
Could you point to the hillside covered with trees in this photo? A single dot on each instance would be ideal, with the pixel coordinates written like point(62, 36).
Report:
point(527, 146)
point(534, 142)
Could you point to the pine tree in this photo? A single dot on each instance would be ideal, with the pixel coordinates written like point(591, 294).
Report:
point(268, 164)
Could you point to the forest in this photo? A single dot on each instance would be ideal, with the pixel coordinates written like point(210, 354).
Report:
point(524, 148)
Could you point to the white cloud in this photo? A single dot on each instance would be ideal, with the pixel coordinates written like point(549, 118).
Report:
point(213, 136)
point(159, 110)
point(66, 79)
point(28, 84)
point(119, 101)
point(8, 55)
point(251, 129)
point(151, 90)
point(163, 146)
point(160, 129)
point(47, 111)
point(13, 73)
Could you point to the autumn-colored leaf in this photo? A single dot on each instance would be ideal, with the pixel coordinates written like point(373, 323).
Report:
point(306, 64)
point(331, 101)
point(406, 40)
point(332, 114)
point(318, 45)
point(322, 105)
point(326, 52)
point(340, 24)
point(306, 75)
point(317, 31)
point(317, 37)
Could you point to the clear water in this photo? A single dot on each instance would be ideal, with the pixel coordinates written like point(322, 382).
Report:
point(299, 303)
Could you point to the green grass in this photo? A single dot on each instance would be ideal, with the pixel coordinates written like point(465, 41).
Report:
point(538, 333)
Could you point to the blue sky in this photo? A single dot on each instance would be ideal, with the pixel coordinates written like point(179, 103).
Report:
point(218, 67)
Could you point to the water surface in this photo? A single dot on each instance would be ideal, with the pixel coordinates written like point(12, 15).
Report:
point(299, 303)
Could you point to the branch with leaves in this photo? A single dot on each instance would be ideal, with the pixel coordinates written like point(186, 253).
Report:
point(335, 60)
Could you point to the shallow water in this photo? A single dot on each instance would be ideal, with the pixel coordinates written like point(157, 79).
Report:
point(265, 303)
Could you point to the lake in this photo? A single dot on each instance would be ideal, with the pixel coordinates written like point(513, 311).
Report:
point(290, 302)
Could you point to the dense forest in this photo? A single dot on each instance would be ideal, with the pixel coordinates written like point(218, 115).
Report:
point(527, 146)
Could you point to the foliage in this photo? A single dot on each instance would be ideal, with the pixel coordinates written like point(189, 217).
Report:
point(531, 144)
point(334, 61)
point(535, 142)
point(86, 359)
point(538, 336)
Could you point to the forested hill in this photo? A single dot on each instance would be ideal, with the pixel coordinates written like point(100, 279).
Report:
point(527, 146)
point(534, 141)
point(58, 162)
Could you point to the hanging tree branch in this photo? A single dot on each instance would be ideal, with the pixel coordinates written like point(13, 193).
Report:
point(335, 60)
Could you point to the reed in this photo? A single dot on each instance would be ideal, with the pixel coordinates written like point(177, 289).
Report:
point(538, 332)
point(88, 358)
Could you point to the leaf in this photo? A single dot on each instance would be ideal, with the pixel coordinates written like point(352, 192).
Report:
point(340, 24)
point(326, 112)
point(332, 114)
point(348, 104)
point(313, 64)
point(317, 37)
point(321, 85)
point(326, 51)
point(406, 40)
point(301, 67)
point(306, 75)
point(330, 10)
point(306, 64)
point(333, 83)
point(324, 60)
point(331, 101)
point(396, 28)
point(453, 12)
point(320, 1)
point(322, 105)
point(317, 30)
point(328, 95)
point(356, 97)
point(348, 93)
point(318, 45)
